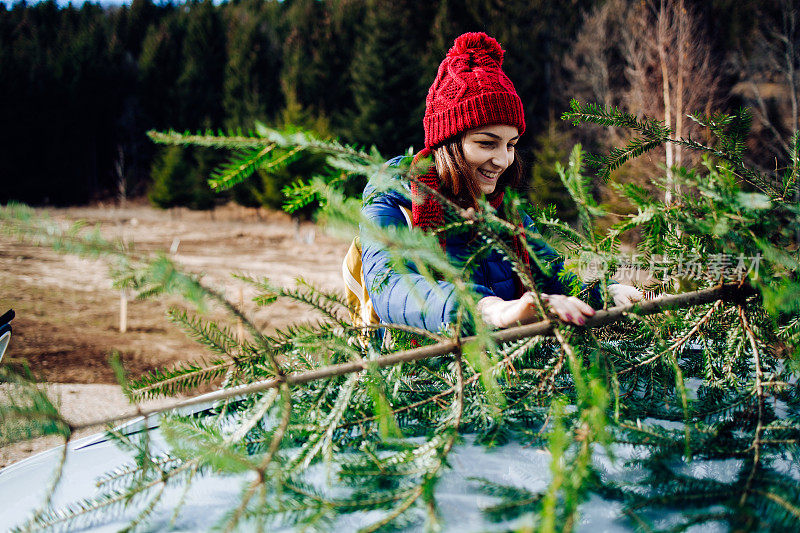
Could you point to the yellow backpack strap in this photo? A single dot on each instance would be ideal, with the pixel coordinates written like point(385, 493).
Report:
point(358, 301)
point(361, 312)
point(407, 214)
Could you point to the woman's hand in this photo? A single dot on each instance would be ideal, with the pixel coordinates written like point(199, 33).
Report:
point(500, 313)
point(624, 294)
point(568, 308)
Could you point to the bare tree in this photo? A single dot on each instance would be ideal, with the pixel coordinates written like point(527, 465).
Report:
point(770, 82)
point(593, 61)
point(668, 65)
point(770, 87)
point(671, 71)
point(664, 32)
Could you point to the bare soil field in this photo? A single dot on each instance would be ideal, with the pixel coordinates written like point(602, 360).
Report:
point(67, 322)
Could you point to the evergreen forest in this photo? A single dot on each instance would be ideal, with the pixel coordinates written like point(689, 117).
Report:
point(80, 86)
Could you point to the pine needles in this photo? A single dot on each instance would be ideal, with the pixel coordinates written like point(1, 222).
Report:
point(709, 386)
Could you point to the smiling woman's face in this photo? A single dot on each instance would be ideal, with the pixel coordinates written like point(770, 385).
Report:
point(489, 151)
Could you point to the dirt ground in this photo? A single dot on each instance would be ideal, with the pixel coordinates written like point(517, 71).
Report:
point(67, 313)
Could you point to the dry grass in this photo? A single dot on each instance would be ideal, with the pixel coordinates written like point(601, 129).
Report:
point(67, 322)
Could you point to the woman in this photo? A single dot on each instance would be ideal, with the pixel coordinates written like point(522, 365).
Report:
point(473, 120)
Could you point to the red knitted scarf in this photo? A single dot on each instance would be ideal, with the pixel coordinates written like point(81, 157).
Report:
point(427, 212)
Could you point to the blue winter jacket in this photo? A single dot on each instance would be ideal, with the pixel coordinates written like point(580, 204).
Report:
point(410, 299)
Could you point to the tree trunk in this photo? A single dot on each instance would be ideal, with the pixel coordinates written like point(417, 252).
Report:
point(661, 36)
point(679, 114)
point(789, 27)
point(122, 185)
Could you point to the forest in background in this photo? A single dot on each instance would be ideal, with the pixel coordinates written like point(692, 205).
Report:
point(79, 87)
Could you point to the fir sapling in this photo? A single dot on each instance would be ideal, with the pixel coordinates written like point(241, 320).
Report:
point(694, 379)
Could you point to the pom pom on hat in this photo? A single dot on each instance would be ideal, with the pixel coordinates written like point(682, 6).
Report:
point(477, 43)
point(471, 90)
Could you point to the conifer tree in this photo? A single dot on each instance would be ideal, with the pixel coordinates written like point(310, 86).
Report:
point(200, 84)
point(252, 72)
point(450, 20)
point(319, 43)
point(546, 188)
point(131, 25)
point(388, 89)
point(172, 179)
point(159, 69)
point(711, 383)
point(679, 397)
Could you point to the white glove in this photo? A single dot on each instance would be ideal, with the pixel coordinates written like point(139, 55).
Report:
point(624, 294)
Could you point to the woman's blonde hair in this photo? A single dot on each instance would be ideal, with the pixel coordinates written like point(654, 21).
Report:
point(457, 180)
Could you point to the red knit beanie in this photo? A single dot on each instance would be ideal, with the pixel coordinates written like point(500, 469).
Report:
point(471, 90)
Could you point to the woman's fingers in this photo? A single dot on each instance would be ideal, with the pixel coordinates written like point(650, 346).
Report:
point(524, 310)
point(624, 294)
point(583, 307)
point(570, 309)
point(502, 314)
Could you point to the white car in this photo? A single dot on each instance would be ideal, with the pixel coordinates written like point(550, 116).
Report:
point(209, 498)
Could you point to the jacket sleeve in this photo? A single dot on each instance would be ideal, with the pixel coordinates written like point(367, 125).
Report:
point(404, 298)
point(552, 277)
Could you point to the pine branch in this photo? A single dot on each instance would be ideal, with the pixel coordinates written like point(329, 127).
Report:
point(124, 475)
point(497, 385)
point(731, 292)
point(759, 391)
point(208, 139)
point(265, 462)
point(239, 169)
point(177, 380)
